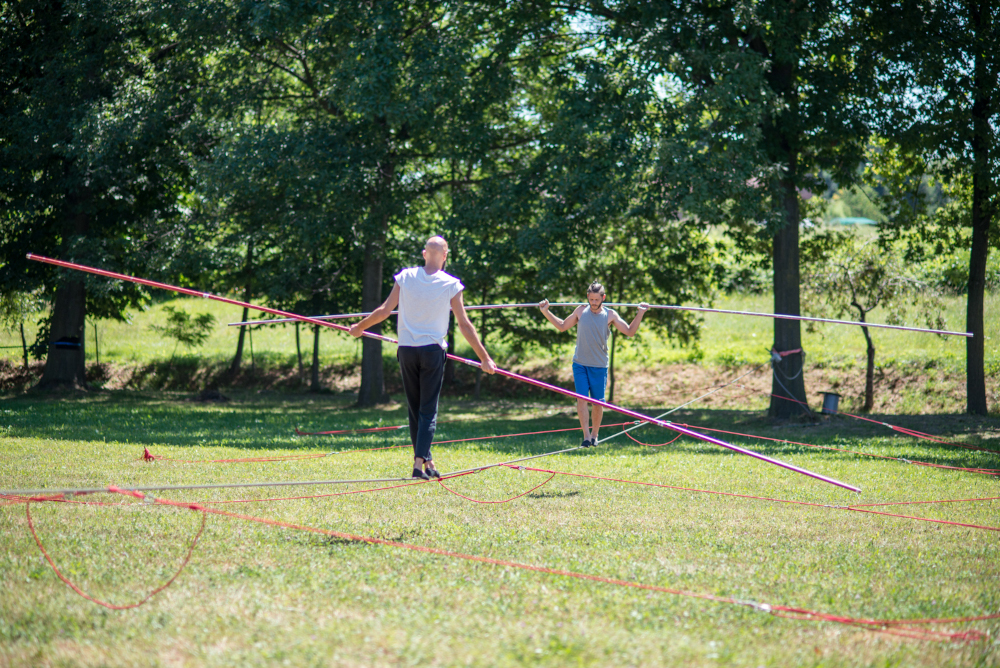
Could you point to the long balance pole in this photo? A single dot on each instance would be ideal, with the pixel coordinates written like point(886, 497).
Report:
point(502, 372)
point(664, 307)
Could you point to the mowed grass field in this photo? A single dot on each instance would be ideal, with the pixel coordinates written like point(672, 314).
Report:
point(260, 595)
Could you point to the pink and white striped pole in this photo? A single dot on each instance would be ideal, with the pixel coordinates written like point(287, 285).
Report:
point(509, 374)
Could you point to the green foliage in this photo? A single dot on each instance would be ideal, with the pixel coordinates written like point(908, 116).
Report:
point(855, 202)
point(190, 332)
point(756, 99)
point(936, 68)
point(89, 144)
point(16, 307)
point(848, 277)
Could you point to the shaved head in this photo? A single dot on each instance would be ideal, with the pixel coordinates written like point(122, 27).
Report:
point(436, 244)
point(435, 253)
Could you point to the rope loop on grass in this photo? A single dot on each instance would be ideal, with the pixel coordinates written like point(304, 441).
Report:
point(112, 606)
point(469, 498)
point(651, 445)
point(910, 628)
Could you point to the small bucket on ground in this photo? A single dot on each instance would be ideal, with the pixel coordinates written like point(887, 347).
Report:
point(830, 401)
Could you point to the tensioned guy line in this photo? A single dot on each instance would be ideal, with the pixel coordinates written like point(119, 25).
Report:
point(664, 307)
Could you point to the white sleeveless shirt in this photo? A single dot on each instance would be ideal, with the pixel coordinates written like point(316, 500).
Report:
point(424, 306)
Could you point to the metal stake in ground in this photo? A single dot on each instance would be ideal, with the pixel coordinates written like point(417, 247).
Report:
point(502, 372)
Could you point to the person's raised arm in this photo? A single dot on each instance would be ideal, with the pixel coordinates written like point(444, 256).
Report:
point(558, 323)
point(469, 332)
point(379, 314)
point(631, 329)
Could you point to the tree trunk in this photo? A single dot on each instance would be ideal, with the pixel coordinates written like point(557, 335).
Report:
point(314, 382)
point(982, 213)
point(253, 362)
point(97, 346)
point(869, 373)
point(449, 365)
point(65, 365)
point(298, 351)
point(234, 368)
point(372, 389)
point(788, 377)
point(24, 346)
point(975, 350)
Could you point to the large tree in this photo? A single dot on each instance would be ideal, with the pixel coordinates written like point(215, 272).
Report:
point(759, 96)
point(938, 107)
point(89, 166)
point(273, 187)
point(396, 92)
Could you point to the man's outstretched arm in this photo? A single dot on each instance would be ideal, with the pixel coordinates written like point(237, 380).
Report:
point(379, 314)
point(469, 332)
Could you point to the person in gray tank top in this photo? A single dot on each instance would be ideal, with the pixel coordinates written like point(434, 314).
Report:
point(590, 361)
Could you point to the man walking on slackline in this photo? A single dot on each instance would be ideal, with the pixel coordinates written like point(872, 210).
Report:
point(590, 361)
point(425, 296)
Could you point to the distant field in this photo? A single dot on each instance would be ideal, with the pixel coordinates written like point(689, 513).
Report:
point(725, 339)
point(255, 595)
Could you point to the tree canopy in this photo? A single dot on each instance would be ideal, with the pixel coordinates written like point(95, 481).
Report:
point(300, 153)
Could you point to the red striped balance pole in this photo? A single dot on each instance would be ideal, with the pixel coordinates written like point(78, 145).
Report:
point(509, 374)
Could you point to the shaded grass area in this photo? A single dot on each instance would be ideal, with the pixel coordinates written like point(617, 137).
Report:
point(256, 595)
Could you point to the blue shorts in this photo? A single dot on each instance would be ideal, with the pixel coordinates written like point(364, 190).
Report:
point(590, 380)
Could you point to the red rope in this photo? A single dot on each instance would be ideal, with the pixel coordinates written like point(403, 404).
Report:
point(347, 431)
point(908, 503)
point(469, 498)
point(147, 456)
point(885, 626)
point(318, 496)
point(527, 433)
point(187, 558)
point(372, 429)
point(922, 519)
point(857, 509)
point(928, 437)
point(903, 430)
point(904, 628)
point(853, 452)
point(651, 445)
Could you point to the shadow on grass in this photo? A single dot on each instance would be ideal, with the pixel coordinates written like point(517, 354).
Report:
point(264, 423)
point(552, 495)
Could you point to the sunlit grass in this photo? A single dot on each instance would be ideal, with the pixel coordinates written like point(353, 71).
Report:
point(257, 595)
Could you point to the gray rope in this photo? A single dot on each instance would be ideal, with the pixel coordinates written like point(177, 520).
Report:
point(672, 410)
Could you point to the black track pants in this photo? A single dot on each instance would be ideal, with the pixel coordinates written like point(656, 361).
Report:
point(422, 369)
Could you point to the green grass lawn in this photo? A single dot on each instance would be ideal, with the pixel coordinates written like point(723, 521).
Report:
point(259, 595)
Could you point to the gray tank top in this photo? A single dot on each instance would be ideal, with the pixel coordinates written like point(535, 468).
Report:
point(592, 338)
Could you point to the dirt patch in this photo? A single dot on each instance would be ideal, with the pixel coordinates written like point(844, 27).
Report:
point(899, 389)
